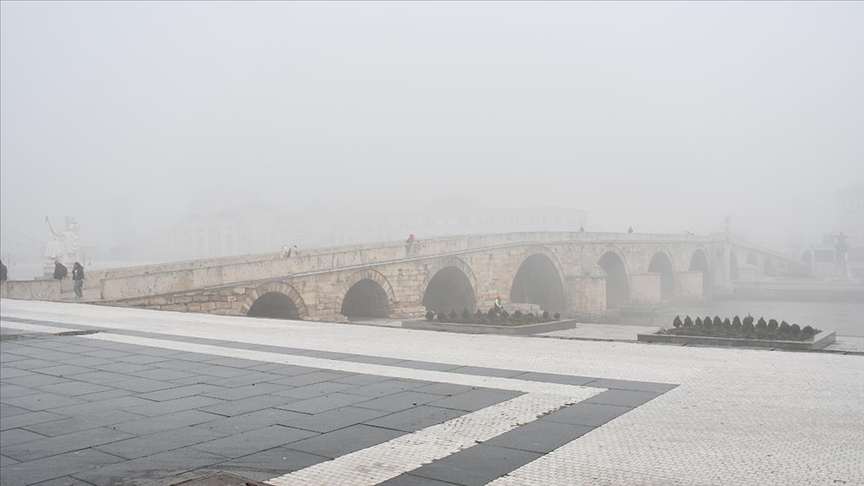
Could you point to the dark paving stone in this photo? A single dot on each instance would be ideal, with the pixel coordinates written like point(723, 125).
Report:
point(258, 440)
point(193, 380)
point(417, 418)
point(400, 401)
point(42, 401)
point(323, 403)
point(88, 361)
point(52, 446)
point(74, 388)
point(316, 390)
point(625, 398)
point(589, 414)
point(142, 359)
point(361, 379)
point(344, 441)
point(474, 400)
point(250, 379)
point(239, 407)
point(163, 374)
point(25, 473)
point(142, 385)
point(321, 354)
point(409, 480)
point(12, 391)
point(64, 481)
point(193, 356)
point(107, 354)
point(90, 408)
point(539, 436)
point(310, 378)
point(179, 392)
point(370, 359)
point(17, 436)
point(384, 388)
point(243, 392)
point(425, 365)
point(25, 419)
point(153, 425)
point(106, 395)
point(100, 377)
point(555, 378)
point(34, 380)
point(160, 442)
point(445, 389)
point(174, 406)
point(631, 385)
point(177, 364)
point(156, 470)
point(126, 368)
point(333, 419)
point(283, 369)
point(252, 420)
point(275, 462)
point(233, 362)
point(476, 465)
point(222, 371)
point(99, 418)
point(481, 371)
point(9, 410)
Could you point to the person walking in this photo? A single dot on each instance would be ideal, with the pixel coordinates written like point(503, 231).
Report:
point(498, 308)
point(78, 278)
point(60, 270)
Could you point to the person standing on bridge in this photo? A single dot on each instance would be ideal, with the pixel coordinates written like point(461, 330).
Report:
point(60, 270)
point(78, 278)
point(498, 308)
point(630, 229)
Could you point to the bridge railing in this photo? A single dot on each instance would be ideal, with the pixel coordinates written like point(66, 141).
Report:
point(183, 277)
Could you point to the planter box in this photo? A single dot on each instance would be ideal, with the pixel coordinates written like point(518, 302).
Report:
point(819, 341)
point(489, 328)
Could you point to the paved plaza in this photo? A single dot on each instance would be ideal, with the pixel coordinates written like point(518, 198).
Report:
point(100, 396)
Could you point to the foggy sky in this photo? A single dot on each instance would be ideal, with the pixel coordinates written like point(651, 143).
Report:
point(666, 116)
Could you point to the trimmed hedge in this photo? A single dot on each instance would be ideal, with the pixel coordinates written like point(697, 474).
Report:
point(740, 328)
point(492, 318)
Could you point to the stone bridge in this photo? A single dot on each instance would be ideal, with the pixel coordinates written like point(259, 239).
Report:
point(582, 275)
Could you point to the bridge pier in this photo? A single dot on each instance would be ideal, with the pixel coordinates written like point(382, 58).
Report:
point(646, 288)
point(690, 285)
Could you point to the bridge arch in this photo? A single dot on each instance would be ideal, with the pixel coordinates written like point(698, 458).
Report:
point(614, 265)
point(275, 300)
point(539, 280)
point(699, 263)
point(450, 285)
point(661, 263)
point(366, 294)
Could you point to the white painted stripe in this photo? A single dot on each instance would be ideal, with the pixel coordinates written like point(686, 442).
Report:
point(379, 463)
point(525, 386)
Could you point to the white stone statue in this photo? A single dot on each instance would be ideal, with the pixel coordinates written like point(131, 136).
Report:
point(64, 245)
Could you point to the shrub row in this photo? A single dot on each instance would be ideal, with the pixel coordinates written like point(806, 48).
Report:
point(740, 328)
point(491, 317)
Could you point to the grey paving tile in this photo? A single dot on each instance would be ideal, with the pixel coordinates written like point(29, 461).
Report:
point(344, 441)
point(239, 407)
point(323, 403)
point(107, 354)
point(321, 354)
point(26, 473)
point(17, 436)
point(282, 369)
point(52, 446)
point(179, 392)
point(160, 352)
point(473, 400)
point(631, 385)
point(334, 419)
point(193, 356)
point(7, 357)
point(142, 359)
point(178, 364)
point(143, 385)
point(275, 462)
point(6, 461)
point(8, 372)
point(252, 420)
point(445, 389)
point(78, 423)
point(400, 401)
point(361, 379)
point(589, 414)
point(64, 481)
point(42, 401)
point(156, 470)
point(476, 465)
point(625, 398)
point(31, 364)
point(193, 380)
point(233, 362)
point(164, 374)
point(153, 425)
point(88, 361)
point(555, 378)
point(106, 395)
point(481, 371)
point(258, 440)
point(89, 408)
point(100, 377)
point(409, 480)
point(388, 387)
point(243, 392)
point(416, 418)
point(26, 419)
point(125, 368)
point(35, 380)
point(12, 391)
point(314, 390)
point(356, 358)
point(249, 379)
point(222, 371)
point(8, 410)
point(174, 406)
point(539, 436)
point(310, 378)
point(74, 388)
point(160, 442)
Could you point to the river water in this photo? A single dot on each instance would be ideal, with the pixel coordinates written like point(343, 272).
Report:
point(846, 318)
